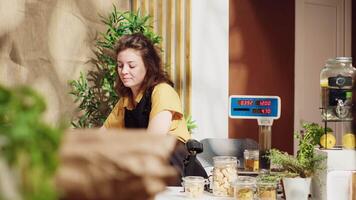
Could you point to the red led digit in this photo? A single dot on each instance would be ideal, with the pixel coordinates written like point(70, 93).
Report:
point(245, 102)
point(264, 103)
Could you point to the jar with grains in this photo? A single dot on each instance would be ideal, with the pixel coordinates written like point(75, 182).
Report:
point(266, 190)
point(224, 173)
point(194, 186)
point(244, 188)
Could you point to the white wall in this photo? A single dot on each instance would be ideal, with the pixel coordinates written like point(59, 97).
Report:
point(210, 67)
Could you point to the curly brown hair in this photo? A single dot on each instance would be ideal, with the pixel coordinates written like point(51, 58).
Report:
point(151, 59)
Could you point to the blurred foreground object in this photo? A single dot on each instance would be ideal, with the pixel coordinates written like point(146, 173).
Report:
point(28, 146)
point(130, 165)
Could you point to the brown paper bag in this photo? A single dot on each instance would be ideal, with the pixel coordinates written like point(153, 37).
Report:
point(115, 164)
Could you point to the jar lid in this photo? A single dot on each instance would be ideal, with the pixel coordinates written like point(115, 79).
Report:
point(263, 183)
point(344, 59)
point(244, 181)
point(339, 60)
point(225, 159)
point(254, 152)
point(268, 179)
point(194, 179)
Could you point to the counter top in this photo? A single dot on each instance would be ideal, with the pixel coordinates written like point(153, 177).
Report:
point(176, 193)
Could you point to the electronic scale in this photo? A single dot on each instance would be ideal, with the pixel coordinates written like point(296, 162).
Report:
point(263, 108)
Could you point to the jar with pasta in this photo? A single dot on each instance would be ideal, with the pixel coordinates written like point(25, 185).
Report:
point(224, 173)
point(244, 188)
point(193, 186)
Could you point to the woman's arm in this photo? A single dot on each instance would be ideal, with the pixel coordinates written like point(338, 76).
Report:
point(161, 123)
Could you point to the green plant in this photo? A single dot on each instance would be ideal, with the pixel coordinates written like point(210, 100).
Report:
point(306, 161)
point(27, 144)
point(315, 131)
point(95, 91)
point(191, 124)
point(268, 177)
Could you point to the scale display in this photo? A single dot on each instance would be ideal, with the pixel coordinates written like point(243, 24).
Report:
point(254, 107)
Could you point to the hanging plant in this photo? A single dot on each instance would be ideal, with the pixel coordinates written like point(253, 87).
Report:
point(94, 91)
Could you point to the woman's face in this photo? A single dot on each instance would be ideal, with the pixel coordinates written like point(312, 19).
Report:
point(131, 68)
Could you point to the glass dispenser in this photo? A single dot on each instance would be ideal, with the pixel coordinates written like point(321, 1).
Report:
point(336, 83)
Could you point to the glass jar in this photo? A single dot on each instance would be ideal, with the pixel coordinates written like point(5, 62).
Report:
point(193, 186)
point(244, 188)
point(336, 81)
point(251, 160)
point(224, 173)
point(347, 139)
point(266, 190)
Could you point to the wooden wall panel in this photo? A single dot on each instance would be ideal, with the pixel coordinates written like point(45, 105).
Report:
point(171, 20)
point(261, 48)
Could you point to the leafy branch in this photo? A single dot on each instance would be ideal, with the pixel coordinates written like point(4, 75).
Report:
point(306, 161)
point(191, 124)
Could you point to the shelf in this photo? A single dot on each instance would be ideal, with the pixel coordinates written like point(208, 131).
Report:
point(337, 120)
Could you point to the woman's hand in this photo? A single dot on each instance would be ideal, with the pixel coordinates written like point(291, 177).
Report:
point(161, 123)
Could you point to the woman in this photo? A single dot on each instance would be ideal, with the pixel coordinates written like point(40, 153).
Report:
point(148, 99)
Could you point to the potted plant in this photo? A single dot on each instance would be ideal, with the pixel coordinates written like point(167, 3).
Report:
point(299, 170)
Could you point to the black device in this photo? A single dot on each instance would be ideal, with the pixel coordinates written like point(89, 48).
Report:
point(191, 165)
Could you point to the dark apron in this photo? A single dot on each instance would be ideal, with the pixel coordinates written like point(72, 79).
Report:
point(139, 118)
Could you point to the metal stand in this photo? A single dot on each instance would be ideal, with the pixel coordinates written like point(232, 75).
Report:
point(264, 142)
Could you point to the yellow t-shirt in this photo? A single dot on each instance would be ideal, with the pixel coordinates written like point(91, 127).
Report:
point(163, 97)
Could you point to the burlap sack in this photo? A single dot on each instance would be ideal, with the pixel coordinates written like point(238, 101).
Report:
point(130, 165)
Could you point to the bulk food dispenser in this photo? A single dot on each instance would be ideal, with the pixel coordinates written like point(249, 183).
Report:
point(338, 141)
point(336, 81)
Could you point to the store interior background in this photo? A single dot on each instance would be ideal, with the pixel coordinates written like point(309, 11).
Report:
point(238, 47)
point(262, 62)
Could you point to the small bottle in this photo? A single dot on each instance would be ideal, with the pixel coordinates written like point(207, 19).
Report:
point(224, 173)
point(244, 188)
point(251, 157)
point(194, 186)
